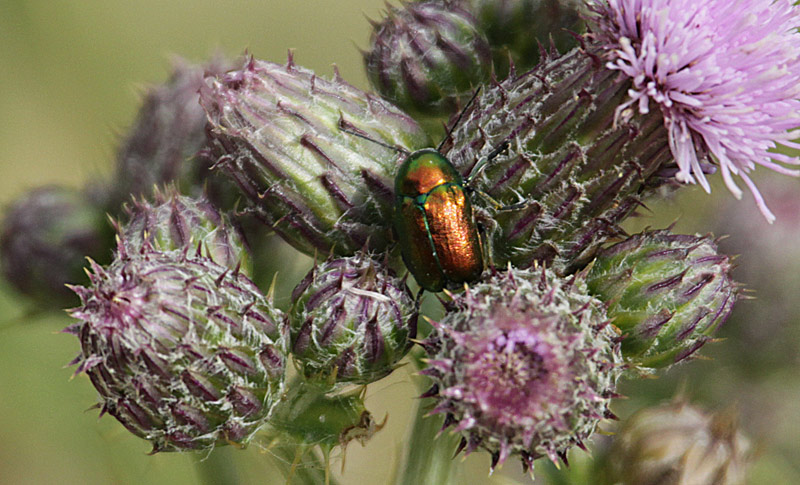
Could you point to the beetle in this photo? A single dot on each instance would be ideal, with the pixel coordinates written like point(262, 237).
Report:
point(433, 220)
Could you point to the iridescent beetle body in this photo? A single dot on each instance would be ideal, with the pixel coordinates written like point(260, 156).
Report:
point(434, 223)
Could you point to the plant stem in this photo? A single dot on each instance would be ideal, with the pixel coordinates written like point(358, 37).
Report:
point(217, 467)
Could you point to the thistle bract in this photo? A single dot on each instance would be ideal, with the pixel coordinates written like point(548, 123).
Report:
point(428, 57)
point(724, 76)
point(277, 131)
point(667, 293)
point(184, 352)
point(569, 171)
point(176, 222)
point(525, 364)
point(678, 443)
point(351, 320)
point(45, 237)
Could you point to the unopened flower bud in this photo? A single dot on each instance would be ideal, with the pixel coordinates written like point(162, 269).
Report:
point(351, 320)
point(667, 293)
point(428, 57)
point(184, 352)
point(679, 444)
point(285, 136)
point(526, 364)
point(177, 222)
point(46, 235)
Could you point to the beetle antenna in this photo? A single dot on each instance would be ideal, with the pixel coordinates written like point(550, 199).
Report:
point(345, 129)
point(458, 119)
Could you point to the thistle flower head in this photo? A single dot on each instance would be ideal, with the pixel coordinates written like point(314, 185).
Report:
point(178, 222)
point(278, 131)
point(183, 352)
point(681, 444)
point(428, 57)
point(44, 240)
point(667, 293)
point(352, 319)
point(724, 74)
point(526, 364)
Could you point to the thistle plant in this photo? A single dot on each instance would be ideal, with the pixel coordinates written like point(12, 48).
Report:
point(563, 310)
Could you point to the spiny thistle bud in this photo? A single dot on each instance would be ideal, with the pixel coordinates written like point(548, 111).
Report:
point(351, 320)
point(667, 293)
point(184, 352)
point(176, 222)
point(168, 133)
point(526, 363)
point(517, 29)
point(571, 172)
point(45, 238)
point(278, 131)
point(428, 57)
point(679, 444)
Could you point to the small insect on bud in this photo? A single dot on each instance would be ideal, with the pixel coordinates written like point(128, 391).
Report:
point(184, 352)
point(667, 293)
point(351, 320)
point(526, 364)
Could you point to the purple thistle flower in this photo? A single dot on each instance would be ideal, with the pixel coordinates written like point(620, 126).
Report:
point(725, 74)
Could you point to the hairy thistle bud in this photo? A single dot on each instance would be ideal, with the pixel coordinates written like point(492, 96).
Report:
point(525, 364)
point(45, 238)
point(164, 142)
point(667, 293)
point(677, 444)
point(518, 29)
point(570, 172)
point(184, 352)
point(351, 320)
point(285, 136)
point(428, 57)
point(177, 222)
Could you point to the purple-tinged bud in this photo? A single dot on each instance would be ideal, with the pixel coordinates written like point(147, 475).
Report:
point(184, 352)
point(518, 29)
point(162, 146)
point(285, 136)
point(175, 222)
point(352, 320)
point(428, 57)
point(677, 444)
point(667, 293)
point(571, 171)
point(526, 364)
point(45, 237)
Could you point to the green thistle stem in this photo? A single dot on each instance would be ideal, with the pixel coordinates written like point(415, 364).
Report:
point(301, 467)
point(429, 458)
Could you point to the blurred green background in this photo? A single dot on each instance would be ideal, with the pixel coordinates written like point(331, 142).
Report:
point(71, 79)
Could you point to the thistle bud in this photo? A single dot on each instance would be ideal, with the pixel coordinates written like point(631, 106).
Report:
point(428, 57)
point(45, 238)
point(525, 364)
point(177, 222)
point(162, 146)
point(184, 352)
point(667, 293)
point(279, 132)
point(678, 444)
point(351, 320)
point(517, 29)
point(571, 171)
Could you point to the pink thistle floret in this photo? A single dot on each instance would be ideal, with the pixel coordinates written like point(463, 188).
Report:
point(725, 74)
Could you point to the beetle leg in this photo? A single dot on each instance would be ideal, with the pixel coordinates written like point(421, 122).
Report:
point(483, 162)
